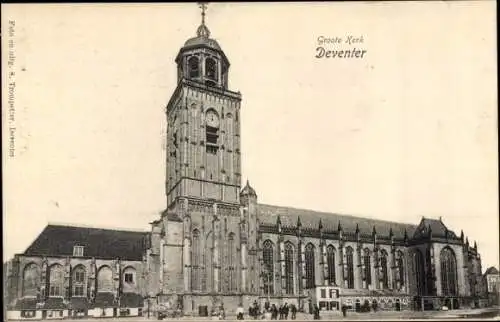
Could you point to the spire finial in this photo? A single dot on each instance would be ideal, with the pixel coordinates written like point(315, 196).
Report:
point(202, 29)
point(203, 6)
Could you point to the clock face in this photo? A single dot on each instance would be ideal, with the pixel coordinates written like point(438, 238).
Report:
point(212, 119)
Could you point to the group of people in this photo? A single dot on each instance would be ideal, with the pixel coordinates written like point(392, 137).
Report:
point(269, 312)
point(218, 313)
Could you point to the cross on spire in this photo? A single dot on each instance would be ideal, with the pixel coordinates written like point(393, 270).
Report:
point(203, 6)
point(202, 29)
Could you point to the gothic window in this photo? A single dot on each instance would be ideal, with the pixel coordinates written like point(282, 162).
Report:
point(231, 255)
point(418, 271)
point(400, 266)
point(78, 281)
point(429, 281)
point(208, 254)
point(309, 257)
point(330, 260)
point(194, 67)
point(349, 267)
point(289, 268)
point(105, 279)
point(448, 272)
point(384, 278)
point(211, 69)
point(56, 280)
point(268, 268)
point(367, 267)
point(31, 280)
point(129, 278)
point(196, 262)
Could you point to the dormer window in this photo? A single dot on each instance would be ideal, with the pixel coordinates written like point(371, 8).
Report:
point(194, 67)
point(78, 251)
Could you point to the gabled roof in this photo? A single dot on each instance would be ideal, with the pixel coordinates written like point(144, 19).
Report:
point(491, 271)
point(437, 227)
point(59, 240)
point(310, 219)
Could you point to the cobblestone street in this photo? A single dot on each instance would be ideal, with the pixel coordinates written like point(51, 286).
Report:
point(488, 313)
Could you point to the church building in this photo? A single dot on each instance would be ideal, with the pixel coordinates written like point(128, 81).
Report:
point(216, 245)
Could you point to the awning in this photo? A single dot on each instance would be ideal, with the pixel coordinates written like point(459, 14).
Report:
point(105, 300)
point(131, 300)
point(27, 303)
point(78, 303)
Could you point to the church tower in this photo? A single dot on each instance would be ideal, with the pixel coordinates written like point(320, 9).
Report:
point(203, 146)
point(202, 235)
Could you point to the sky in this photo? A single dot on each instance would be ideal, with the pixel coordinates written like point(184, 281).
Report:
point(409, 130)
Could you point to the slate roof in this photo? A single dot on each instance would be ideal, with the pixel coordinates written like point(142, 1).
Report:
point(268, 214)
point(437, 227)
point(58, 240)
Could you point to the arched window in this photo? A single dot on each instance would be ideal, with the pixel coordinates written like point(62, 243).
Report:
point(78, 281)
point(129, 280)
point(309, 257)
point(400, 268)
point(289, 289)
point(349, 267)
point(367, 267)
point(419, 271)
point(330, 260)
point(211, 69)
point(448, 272)
point(194, 67)
point(31, 279)
point(268, 267)
point(384, 277)
point(56, 280)
point(231, 261)
point(196, 262)
point(105, 279)
point(208, 255)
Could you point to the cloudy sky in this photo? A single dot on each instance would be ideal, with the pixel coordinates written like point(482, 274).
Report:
point(409, 130)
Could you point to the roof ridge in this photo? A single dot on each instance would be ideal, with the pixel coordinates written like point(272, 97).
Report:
point(340, 214)
point(86, 226)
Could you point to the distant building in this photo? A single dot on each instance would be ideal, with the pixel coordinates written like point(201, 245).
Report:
point(77, 271)
point(216, 245)
point(492, 281)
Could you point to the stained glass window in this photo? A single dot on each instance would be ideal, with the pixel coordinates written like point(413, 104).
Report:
point(309, 257)
point(268, 268)
point(289, 289)
point(330, 259)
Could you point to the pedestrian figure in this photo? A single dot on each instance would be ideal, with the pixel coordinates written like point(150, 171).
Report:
point(274, 311)
point(239, 312)
point(293, 308)
point(285, 311)
point(255, 310)
point(316, 312)
point(344, 310)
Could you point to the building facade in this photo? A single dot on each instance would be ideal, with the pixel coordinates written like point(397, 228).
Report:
point(492, 284)
point(216, 245)
point(77, 271)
